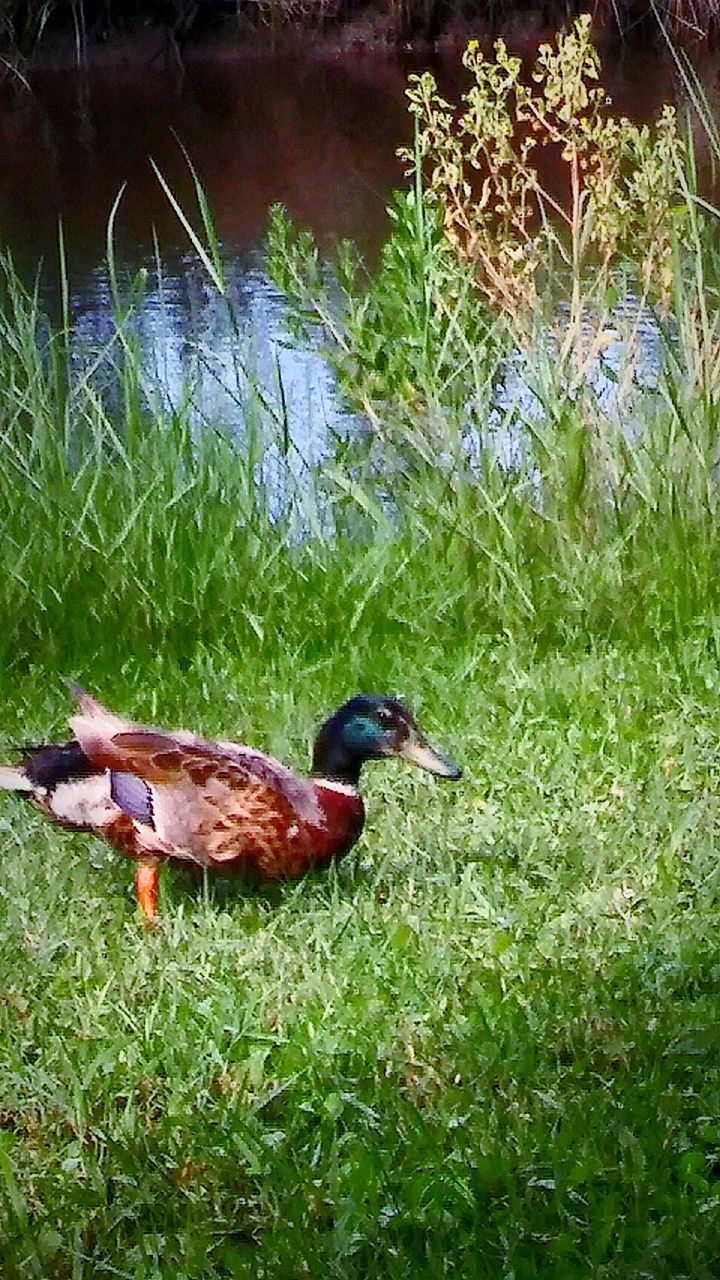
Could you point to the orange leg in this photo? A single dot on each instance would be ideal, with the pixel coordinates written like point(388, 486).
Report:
point(146, 886)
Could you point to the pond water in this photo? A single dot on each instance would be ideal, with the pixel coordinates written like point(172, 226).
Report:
point(319, 135)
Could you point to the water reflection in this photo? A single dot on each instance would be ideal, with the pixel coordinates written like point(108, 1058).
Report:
point(318, 135)
point(619, 362)
point(227, 361)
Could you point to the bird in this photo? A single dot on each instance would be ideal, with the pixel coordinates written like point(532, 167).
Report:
point(160, 795)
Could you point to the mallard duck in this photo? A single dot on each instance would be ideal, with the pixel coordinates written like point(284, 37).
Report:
point(155, 794)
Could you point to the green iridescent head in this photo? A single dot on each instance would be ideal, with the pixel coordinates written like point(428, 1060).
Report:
point(371, 726)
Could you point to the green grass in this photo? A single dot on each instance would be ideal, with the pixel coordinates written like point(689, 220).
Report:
point(486, 1044)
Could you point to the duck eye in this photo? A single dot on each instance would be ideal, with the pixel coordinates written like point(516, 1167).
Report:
point(384, 715)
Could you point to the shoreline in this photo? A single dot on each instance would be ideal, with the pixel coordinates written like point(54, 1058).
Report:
point(376, 33)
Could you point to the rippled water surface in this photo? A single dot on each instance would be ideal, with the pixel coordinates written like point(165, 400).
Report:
point(318, 135)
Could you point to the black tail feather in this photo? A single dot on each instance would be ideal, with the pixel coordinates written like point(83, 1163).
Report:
point(47, 764)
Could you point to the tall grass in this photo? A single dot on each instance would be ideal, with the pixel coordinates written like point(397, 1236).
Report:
point(545, 491)
point(108, 497)
point(533, 510)
point(589, 507)
point(115, 507)
point(561, 442)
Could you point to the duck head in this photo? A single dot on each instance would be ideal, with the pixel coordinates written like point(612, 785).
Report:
point(371, 726)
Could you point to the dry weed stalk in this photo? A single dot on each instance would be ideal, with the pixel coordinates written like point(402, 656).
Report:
point(479, 159)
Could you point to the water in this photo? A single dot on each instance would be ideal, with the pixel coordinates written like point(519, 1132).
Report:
point(317, 135)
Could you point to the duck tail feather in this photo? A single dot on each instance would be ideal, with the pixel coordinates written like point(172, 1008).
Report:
point(87, 704)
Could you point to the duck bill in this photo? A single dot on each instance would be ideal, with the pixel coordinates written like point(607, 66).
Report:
point(417, 750)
